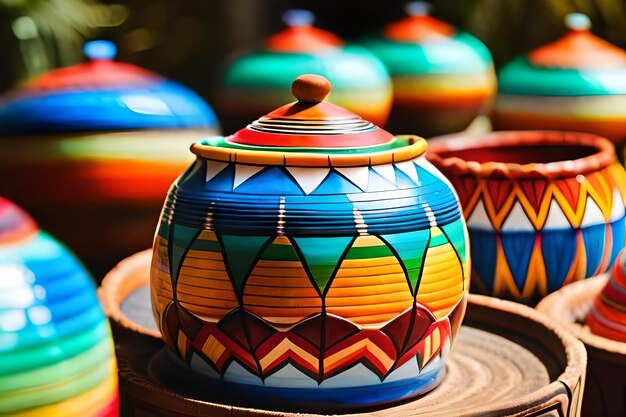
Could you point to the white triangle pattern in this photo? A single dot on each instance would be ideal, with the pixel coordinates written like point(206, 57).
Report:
point(213, 168)
point(308, 178)
point(517, 220)
point(617, 211)
point(556, 218)
point(479, 218)
point(408, 167)
point(387, 171)
point(359, 176)
point(244, 172)
point(593, 214)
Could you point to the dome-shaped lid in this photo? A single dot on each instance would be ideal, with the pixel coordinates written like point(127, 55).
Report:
point(308, 126)
point(300, 36)
point(15, 224)
point(432, 45)
point(607, 316)
point(579, 63)
point(101, 94)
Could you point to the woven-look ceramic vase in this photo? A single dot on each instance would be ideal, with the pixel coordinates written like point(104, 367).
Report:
point(56, 351)
point(257, 82)
point(89, 150)
point(312, 259)
point(576, 83)
point(543, 209)
point(442, 78)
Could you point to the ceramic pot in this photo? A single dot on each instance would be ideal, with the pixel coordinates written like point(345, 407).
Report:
point(543, 208)
point(91, 149)
point(312, 259)
point(593, 311)
point(56, 351)
point(442, 78)
point(576, 83)
point(257, 82)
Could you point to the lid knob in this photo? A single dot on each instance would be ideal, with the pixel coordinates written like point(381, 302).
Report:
point(417, 8)
point(577, 21)
point(100, 50)
point(298, 17)
point(310, 88)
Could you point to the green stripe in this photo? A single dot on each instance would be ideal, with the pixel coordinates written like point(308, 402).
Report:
point(57, 351)
point(280, 253)
point(367, 252)
point(438, 240)
point(221, 142)
point(520, 77)
point(67, 370)
point(29, 399)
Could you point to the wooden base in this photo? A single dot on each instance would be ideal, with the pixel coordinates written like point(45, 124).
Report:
point(507, 360)
point(606, 382)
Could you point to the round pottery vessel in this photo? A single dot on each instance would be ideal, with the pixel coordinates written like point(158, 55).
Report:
point(442, 78)
point(312, 259)
point(257, 82)
point(587, 309)
point(56, 351)
point(576, 83)
point(543, 209)
point(508, 360)
point(91, 149)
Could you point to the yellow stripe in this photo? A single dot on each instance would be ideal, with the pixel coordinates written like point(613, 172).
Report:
point(336, 359)
point(213, 349)
point(85, 404)
point(442, 277)
point(367, 241)
point(285, 346)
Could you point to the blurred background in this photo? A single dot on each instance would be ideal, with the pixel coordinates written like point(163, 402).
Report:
point(188, 40)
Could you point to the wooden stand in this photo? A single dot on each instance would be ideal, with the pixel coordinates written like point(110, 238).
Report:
point(606, 382)
point(507, 360)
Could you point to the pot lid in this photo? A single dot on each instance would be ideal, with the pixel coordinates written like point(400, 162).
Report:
point(15, 224)
point(101, 94)
point(579, 63)
point(300, 36)
point(434, 46)
point(308, 126)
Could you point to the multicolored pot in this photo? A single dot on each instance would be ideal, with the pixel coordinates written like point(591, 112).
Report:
point(442, 78)
point(258, 82)
point(312, 258)
point(56, 351)
point(91, 149)
point(607, 316)
point(543, 209)
point(576, 83)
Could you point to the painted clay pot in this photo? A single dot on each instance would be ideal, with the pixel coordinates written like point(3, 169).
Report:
point(508, 360)
point(312, 259)
point(593, 311)
point(257, 82)
point(442, 78)
point(543, 208)
point(56, 351)
point(576, 83)
point(91, 149)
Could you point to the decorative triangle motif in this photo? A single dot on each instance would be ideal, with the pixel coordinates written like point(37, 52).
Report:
point(593, 214)
point(408, 167)
point(213, 168)
point(410, 248)
point(518, 247)
point(180, 240)
point(499, 191)
point(560, 249)
point(556, 219)
point(534, 190)
point(386, 171)
point(244, 172)
point(570, 188)
point(241, 253)
point(308, 178)
point(359, 176)
point(595, 247)
point(321, 256)
point(479, 219)
point(455, 232)
point(517, 220)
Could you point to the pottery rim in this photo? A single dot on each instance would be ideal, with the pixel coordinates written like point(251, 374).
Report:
point(602, 156)
point(416, 146)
